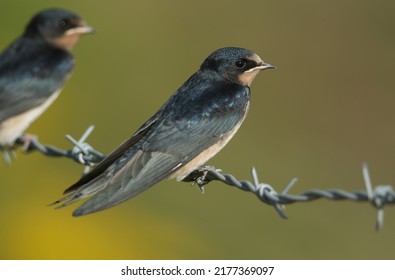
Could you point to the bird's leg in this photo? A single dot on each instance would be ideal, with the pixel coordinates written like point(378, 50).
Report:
point(199, 176)
point(8, 154)
point(26, 141)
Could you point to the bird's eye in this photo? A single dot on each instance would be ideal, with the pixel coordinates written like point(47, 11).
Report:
point(240, 64)
point(63, 23)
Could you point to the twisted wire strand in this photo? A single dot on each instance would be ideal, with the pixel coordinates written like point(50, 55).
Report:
point(82, 152)
point(378, 196)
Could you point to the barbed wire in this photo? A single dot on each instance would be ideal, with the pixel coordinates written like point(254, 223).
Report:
point(378, 196)
point(82, 152)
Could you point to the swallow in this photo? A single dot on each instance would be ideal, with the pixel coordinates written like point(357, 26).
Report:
point(34, 69)
point(195, 123)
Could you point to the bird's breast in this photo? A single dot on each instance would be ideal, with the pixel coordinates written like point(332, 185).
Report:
point(209, 152)
point(13, 127)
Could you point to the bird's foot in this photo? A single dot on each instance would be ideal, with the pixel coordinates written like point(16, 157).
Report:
point(8, 155)
point(26, 141)
point(199, 176)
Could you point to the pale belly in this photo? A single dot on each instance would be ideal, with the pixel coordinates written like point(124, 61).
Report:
point(14, 127)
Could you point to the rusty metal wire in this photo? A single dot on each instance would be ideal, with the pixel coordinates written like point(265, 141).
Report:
point(378, 196)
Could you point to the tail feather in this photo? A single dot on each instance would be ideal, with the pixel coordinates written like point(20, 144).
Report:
point(90, 189)
point(123, 180)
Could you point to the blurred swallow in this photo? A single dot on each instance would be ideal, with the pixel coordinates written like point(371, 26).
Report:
point(196, 122)
point(34, 69)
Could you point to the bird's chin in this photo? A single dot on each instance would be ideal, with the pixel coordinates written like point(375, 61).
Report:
point(66, 43)
point(71, 37)
point(247, 77)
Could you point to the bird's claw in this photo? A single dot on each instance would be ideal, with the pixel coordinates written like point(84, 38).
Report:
point(26, 142)
point(8, 155)
point(199, 176)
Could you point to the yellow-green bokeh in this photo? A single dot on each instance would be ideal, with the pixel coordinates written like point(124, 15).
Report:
point(327, 107)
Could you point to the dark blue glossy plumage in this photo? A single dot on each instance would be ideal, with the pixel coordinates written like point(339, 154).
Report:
point(191, 127)
point(198, 115)
point(34, 68)
point(30, 72)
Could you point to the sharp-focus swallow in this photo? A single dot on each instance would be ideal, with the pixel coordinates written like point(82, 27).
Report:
point(34, 69)
point(196, 122)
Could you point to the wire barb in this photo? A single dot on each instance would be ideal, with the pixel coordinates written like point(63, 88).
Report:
point(85, 154)
point(82, 152)
point(380, 196)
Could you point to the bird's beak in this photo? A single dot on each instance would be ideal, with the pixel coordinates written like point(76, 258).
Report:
point(265, 65)
point(80, 30)
point(262, 66)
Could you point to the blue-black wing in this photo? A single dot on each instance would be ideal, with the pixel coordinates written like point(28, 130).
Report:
point(29, 74)
point(193, 120)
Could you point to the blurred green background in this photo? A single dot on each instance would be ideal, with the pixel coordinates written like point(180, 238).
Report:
point(327, 107)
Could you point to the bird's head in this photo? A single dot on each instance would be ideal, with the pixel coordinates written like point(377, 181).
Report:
point(237, 65)
point(58, 27)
